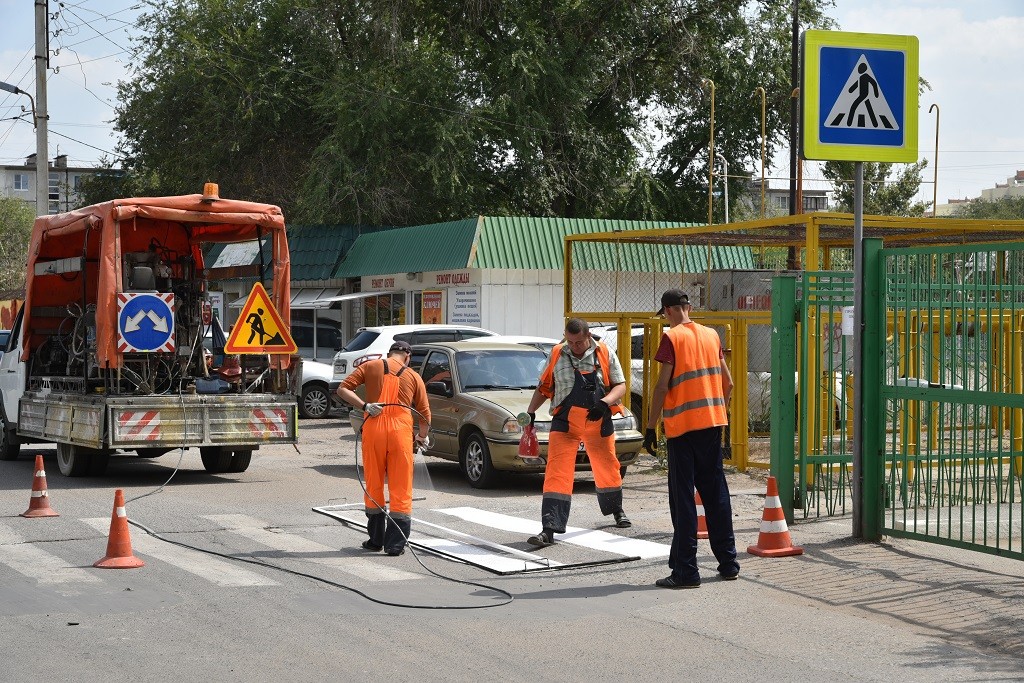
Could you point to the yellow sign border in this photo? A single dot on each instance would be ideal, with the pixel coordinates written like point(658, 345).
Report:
point(259, 295)
point(812, 148)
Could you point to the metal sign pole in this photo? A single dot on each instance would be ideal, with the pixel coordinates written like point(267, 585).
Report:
point(858, 359)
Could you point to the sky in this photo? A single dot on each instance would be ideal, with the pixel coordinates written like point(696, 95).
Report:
point(969, 55)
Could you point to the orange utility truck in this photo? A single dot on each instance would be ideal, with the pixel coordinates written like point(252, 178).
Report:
point(107, 353)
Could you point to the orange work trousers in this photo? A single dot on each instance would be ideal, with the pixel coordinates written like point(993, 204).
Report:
point(563, 447)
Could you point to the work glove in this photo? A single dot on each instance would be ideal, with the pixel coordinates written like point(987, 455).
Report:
point(651, 441)
point(599, 410)
point(373, 409)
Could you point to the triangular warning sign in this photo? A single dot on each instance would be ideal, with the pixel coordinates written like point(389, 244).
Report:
point(259, 328)
point(861, 103)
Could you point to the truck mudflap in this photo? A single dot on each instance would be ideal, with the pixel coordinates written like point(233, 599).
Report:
point(245, 420)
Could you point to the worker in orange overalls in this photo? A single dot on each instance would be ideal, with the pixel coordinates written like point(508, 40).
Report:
point(391, 388)
point(691, 396)
point(584, 386)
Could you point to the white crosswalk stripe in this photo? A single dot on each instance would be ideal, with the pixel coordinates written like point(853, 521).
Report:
point(36, 563)
point(220, 572)
point(587, 538)
point(364, 568)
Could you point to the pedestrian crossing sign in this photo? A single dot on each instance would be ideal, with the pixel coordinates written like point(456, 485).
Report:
point(259, 328)
point(859, 97)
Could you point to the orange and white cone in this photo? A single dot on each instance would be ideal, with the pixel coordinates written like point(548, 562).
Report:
point(119, 544)
point(39, 503)
point(774, 541)
point(702, 521)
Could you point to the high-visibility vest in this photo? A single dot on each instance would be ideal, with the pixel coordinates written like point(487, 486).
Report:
point(547, 378)
point(695, 398)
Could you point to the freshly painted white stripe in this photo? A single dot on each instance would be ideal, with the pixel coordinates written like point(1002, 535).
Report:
point(480, 556)
point(120, 512)
point(773, 527)
point(44, 567)
point(772, 502)
point(588, 538)
point(219, 572)
point(311, 551)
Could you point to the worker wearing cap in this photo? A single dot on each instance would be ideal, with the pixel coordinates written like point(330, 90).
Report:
point(693, 391)
point(391, 389)
point(584, 383)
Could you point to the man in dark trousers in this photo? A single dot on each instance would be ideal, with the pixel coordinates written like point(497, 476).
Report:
point(693, 392)
point(392, 388)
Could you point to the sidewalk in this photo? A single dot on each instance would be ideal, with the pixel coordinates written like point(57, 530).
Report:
point(968, 599)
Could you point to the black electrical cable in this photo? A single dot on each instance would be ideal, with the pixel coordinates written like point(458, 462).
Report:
point(412, 550)
point(321, 579)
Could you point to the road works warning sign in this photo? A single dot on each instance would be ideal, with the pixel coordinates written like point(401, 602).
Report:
point(859, 97)
point(259, 328)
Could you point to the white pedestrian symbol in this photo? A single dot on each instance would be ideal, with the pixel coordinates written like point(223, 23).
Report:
point(861, 103)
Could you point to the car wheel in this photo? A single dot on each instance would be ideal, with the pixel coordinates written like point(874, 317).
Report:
point(71, 460)
point(9, 445)
point(216, 460)
point(475, 460)
point(240, 461)
point(315, 401)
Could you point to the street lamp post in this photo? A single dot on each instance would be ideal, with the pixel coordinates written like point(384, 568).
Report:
point(725, 183)
point(42, 170)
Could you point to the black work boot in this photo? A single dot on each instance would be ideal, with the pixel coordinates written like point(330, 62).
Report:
point(545, 538)
point(621, 520)
point(375, 528)
point(398, 529)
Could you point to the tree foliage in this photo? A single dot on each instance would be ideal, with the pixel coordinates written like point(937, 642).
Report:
point(882, 196)
point(1004, 208)
point(16, 219)
point(410, 111)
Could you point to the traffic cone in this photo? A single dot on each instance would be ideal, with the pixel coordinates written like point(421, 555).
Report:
point(39, 503)
point(702, 521)
point(773, 540)
point(119, 544)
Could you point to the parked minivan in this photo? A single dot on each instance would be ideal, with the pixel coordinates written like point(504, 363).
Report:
point(370, 343)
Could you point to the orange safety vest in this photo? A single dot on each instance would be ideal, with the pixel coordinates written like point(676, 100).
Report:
point(547, 378)
point(695, 398)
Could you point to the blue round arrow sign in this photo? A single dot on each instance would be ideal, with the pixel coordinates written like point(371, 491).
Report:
point(146, 322)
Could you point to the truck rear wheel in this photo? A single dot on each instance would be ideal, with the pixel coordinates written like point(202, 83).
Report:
point(216, 460)
point(9, 445)
point(72, 460)
point(240, 461)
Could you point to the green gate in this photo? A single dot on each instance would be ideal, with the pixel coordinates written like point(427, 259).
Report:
point(947, 409)
point(812, 356)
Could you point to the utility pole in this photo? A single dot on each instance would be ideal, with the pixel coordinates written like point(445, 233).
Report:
point(793, 122)
point(42, 64)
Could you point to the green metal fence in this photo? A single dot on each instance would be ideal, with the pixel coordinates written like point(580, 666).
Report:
point(950, 403)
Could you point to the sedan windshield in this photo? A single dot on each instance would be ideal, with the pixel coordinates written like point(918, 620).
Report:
point(500, 369)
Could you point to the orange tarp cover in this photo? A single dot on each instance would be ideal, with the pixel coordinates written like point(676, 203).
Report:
point(104, 232)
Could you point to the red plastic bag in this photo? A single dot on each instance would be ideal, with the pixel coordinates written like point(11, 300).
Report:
point(529, 446)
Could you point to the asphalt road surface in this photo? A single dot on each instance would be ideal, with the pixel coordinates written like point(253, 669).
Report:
point(257, 605)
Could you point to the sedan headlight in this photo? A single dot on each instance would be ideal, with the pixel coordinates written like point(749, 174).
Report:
point(511, 426)
point(624, 423)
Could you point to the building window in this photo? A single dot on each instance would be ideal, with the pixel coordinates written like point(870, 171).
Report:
point(815, 203)
point(781, 201)
point(54, 187)
point(76, 183)
point(21, 181)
